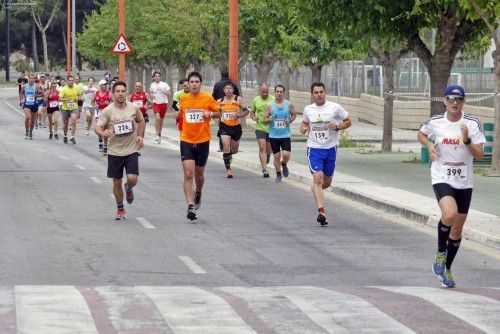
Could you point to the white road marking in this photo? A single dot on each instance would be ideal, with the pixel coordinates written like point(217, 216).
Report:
point(334, 311)
point(80, 167)
point(195, 268)
point(479, 311)
point(95, 179)
point(9, 142)
point(188, 309)
point(15, 109)
point(52, 309)
point(7, 310)
point(40, 149)
point(63, 157)
point(144, 222)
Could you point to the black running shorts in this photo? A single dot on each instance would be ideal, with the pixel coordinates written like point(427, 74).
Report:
point(234, 131)
point(196, 152)
point(278, 144)
point(461, 196)
point(116, 164)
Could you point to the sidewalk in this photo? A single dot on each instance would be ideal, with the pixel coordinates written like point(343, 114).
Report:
point(358, 176)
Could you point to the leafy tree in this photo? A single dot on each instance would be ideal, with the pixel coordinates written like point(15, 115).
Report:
point(489, 12)
point(38, 12)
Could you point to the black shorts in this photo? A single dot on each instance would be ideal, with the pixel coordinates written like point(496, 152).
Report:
point(196, 152)
point(279, 144)
point(52, 110)
point(461, 196)
point(262, 135)
point(116, 164)
point(33, 108)
point(234, 131)
point(80, 103)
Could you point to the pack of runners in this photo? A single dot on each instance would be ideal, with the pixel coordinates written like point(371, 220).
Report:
point(120, 120)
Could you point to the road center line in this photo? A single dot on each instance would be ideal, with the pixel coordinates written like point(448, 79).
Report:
point(144, 222)
point(80, 167)
point(63, 157)
point(189, 262)
point(95, 179)
point(15, 109)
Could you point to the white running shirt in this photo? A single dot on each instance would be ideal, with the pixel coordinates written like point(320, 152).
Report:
point(319, 117)
point(159, 91)
point(88, 94)
point(453, 164)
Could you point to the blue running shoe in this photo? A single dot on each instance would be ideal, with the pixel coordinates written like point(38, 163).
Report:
point(448, 281)
point(439, 265)
point(285, 170)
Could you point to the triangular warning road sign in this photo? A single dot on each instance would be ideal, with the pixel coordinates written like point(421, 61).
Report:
point(122, 45)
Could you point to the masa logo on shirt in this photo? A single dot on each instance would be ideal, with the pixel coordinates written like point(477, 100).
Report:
point(451, 141)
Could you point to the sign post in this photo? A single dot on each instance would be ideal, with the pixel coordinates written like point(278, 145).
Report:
point(122, 46)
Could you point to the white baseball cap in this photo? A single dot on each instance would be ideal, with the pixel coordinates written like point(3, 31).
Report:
point(102, 82)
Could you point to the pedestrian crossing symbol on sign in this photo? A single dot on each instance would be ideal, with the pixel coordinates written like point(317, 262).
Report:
point(122, 45)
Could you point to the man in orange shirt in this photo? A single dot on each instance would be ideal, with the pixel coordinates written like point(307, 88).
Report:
point(196, 109)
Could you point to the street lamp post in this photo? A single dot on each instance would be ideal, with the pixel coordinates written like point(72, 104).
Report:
point(233, 41)
point(7, 41)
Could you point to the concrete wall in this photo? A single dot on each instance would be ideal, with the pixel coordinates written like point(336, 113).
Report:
point(370, 108)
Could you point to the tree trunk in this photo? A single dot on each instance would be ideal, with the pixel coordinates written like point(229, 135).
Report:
point(284, 77)
point(263, 69)
point(495, 159)
point(132, 76)
point(316, 72)
point(34, 48)
point(63, 32)
point(147, 82)
point(452, 36)
point(388, 104)
point(182, 70)
point(45, 51)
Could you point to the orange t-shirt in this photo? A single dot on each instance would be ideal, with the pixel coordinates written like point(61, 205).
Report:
point(229, 111)
point(195, 127)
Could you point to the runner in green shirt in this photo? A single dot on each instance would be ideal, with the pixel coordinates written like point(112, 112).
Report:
point(262, 129)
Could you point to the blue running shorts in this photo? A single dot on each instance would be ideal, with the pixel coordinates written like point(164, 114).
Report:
point(322, 160)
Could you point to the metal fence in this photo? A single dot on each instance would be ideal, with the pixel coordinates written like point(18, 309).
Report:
point(352, 78)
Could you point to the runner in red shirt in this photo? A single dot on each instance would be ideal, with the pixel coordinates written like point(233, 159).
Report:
point(101, 100)
point(141, 100)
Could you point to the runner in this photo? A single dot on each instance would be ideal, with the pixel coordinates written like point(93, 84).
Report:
point(27, 97)
point(280, 114)
point(197, 109)
point(141, 100)
point(52, 97)
point(458, 139)
point(183, 89)
point(232, 109)
point(323, 119)
point(69, 96)
point(123, 125)
point(102, 98)
point(79, 85)
point(89, 91)
point(160, 91)
point(21, 81)
point(44, 86)
point(261, 128)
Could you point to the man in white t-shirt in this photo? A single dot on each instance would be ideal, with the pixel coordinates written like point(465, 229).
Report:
point(160, 91)
point(457, 139)
point(323, 119)
point(88, 94)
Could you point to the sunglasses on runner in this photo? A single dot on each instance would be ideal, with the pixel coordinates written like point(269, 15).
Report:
point(458, 99)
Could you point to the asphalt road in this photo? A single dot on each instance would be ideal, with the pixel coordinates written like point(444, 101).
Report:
point(255, 261)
